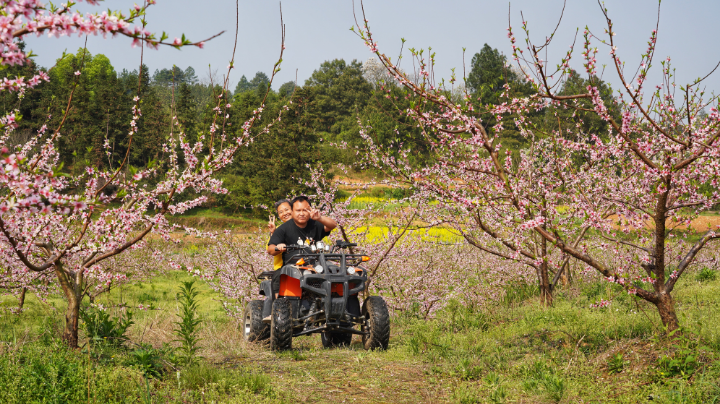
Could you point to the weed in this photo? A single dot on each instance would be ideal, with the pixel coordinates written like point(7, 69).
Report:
point(461, 317)
point(594, 290)
point(146, 298)
point(100, 327)
point(467, 394)
point(293, 354)
point(519, 291)
point(35, 373)
point(254, 383)
point(706, 275)
point(189, 324)
point(146, 359)
point(498, 395)
point(682, 363)
point(616, 363)
point(201, 375)
point(466, 370)
point(554, 386)
point(543, 377)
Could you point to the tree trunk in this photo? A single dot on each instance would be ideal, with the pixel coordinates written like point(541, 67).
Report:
point(21, 298)
point(72, 290)
point(666, 308)
point(545, 291)
point(565, 274)
point(546, 296)
point(72, 316)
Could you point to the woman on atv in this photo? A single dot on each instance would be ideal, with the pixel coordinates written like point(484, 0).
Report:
point(284, 212)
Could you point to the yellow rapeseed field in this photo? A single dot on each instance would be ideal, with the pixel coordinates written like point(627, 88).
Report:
point(442, 235)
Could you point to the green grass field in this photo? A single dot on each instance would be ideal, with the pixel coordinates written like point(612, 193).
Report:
point(515, 352)
point(511, 351)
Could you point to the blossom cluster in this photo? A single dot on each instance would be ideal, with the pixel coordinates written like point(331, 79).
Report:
point(601, 304)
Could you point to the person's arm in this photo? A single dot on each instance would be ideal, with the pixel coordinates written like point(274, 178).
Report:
point(276, 241)
point(328, 222)
point(271, 249)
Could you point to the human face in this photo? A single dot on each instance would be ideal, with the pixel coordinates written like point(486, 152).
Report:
point(301, 213)
point(284, 212)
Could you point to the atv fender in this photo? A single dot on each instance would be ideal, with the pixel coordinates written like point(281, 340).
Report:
point(266, 289)
point(290, 282)
point(291, 271)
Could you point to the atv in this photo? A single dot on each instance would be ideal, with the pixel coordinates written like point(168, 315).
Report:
point(319, 294)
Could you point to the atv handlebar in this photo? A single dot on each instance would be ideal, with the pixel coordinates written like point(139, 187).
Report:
point(338, 245)
point(291, 247)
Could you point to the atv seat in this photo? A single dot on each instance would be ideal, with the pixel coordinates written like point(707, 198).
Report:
point(266, 275)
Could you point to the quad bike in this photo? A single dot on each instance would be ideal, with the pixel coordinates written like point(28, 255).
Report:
point(319, 294)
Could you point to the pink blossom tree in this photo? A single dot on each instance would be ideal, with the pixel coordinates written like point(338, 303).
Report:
point(619, 202)
point(64, 227)
point(231, 265)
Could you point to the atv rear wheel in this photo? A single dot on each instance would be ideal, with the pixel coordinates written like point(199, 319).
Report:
point(281, 325)
point(378, 323)
point(254, 329)
point(335, 339)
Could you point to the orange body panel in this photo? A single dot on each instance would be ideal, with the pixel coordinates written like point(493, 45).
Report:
point(337, 288)
point(289, 287)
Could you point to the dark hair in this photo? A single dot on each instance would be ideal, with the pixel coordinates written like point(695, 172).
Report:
point(300, 198)
point(280, 202)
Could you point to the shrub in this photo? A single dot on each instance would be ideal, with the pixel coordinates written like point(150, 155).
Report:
point(34, 373)
point(147, 360)
point(706, 275)
point(683, 362)
point(100, 327)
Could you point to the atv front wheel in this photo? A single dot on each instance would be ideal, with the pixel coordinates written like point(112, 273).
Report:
point(281, 325)
point(335, 339)
point(378, 323)
point(254, 329)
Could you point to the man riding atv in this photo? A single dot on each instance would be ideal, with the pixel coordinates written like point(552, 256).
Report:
point(306, 226)
point(316, 291)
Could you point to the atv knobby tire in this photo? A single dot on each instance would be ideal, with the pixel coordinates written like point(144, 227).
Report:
point(335, 339)
point(281, 325)
point(254, 329)
point(378, 323)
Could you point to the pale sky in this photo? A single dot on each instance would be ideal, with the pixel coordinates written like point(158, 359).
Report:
point(318, 30)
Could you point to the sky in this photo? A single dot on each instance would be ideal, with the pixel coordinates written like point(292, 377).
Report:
point(318, 30)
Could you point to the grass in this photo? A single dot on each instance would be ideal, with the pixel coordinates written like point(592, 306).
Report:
point(514, 351)
point(215, 218)
point(511, 351)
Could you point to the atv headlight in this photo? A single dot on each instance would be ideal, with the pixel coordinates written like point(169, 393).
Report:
point(320, 245)
point(313, 248)
point(327, 248)
point(319, 269)
point(351, 270)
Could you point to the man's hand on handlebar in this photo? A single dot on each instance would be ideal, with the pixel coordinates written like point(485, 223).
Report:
point(280, 247)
